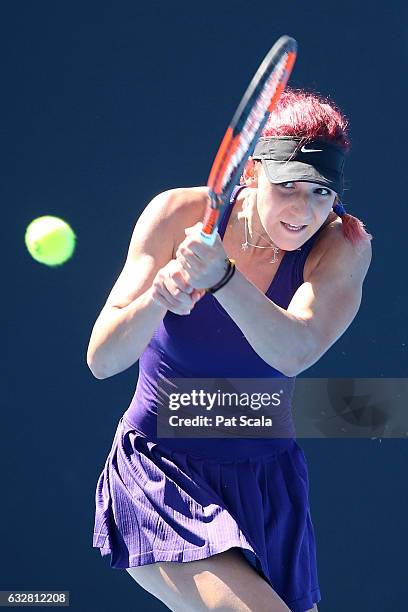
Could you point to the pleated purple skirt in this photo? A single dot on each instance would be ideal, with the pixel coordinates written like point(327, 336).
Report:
point(155, 504)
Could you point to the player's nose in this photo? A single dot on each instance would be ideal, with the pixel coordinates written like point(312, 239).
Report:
point(301, 208)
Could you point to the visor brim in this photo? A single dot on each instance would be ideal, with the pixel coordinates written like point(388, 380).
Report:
point(283, 172)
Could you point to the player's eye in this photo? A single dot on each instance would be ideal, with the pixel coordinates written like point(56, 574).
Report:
point(287, 185)
point(323, 191)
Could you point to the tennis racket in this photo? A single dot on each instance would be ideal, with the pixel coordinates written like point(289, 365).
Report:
point(245, 128)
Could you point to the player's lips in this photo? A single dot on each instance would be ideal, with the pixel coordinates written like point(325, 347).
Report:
point(293, 228)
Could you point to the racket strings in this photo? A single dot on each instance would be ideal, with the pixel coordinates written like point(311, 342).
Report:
point(257, 116)
point(263, 100)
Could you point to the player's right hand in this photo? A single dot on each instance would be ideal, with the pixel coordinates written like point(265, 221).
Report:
point(171, 290)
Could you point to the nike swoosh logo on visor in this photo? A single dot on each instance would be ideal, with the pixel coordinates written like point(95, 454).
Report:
point(304, 150)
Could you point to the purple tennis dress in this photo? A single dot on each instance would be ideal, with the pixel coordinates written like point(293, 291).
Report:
point(162, 499)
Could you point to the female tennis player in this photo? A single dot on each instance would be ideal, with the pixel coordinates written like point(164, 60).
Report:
point(225, 524)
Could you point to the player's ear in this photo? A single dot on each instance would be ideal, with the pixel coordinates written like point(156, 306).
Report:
point(256, 170)
point(250, 174)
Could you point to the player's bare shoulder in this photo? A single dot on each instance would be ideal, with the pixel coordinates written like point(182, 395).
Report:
point(187, 202)
point(186, 206)
point(332, 244)
point(171, 211)
point(171, 204)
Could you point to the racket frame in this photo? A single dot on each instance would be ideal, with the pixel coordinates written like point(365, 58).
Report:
point(285, 49)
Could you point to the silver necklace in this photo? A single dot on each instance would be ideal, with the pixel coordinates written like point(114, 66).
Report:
point(246, 244)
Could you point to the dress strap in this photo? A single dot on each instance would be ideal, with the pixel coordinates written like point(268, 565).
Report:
point(227, 210)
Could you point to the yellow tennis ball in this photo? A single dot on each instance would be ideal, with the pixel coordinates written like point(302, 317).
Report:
point(50, 240)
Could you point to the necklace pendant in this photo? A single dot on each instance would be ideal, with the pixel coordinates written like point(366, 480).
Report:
point(244, 246)
point(275, 252)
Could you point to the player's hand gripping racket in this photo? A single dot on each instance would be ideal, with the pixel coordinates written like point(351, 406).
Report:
point(245, 128)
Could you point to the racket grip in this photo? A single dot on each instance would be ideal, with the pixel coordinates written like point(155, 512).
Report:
point(211, 219)
point(209, 238)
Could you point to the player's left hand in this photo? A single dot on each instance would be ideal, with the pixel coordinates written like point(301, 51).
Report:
point(203, 265)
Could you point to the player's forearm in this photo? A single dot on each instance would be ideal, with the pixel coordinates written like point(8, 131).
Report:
point(120, 335)
point(277, 336)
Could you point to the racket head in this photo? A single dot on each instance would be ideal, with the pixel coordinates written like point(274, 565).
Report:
point(246, 126)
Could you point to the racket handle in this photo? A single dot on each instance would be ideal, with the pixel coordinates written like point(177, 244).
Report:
point(209, 238)
point(211, 219)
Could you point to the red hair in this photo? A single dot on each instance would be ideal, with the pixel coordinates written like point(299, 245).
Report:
point(311, 116)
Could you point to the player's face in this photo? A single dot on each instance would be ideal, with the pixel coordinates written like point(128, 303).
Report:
point(296, 203)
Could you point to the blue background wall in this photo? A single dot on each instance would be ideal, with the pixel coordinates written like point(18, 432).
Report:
point(105, 105)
